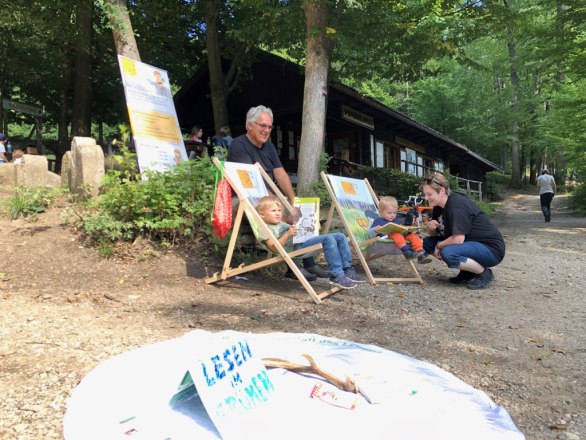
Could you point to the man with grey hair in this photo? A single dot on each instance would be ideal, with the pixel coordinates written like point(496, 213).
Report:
point(256, 146)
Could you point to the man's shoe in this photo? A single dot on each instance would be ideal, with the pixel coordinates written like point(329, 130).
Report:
point(318, 271)
point(410, 255)
point(351, 274)
point(342, 282)
point(424, 258)
point(481, 281)
point(308, 276)
point(462, 277)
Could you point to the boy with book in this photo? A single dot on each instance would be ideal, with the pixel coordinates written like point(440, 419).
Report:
point(335, 245)
point(387, 209)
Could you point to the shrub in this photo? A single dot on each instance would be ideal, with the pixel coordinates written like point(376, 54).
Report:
point(170, 206)
point(27, 202)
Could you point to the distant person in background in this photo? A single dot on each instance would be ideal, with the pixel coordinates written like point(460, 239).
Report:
point(547, 189)
point(196, 134)
point(197, 137)
point(3, 140)
point(17, 156)
point(221, 140)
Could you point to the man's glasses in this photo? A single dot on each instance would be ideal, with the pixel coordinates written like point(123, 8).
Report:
point(264, 126)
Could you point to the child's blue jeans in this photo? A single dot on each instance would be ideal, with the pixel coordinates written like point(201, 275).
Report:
point(336, 251)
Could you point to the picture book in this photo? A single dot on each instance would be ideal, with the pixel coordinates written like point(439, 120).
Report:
point(308, 223)
point(391, 228)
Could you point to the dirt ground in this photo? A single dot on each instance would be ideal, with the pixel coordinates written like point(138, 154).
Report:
point(64, 310)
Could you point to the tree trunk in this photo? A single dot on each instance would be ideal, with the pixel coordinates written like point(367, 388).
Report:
point(516, 143)
point(81, 119)
point(219, 90)
point(119, 18)
point(317, 65)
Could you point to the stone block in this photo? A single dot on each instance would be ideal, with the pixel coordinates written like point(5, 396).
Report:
point(7, 174)
point(53, 179)
point(34, 171)
point(66, 165)
point(87, 166)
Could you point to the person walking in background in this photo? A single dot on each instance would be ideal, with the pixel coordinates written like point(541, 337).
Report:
point(17, 156)
point(3, 141)
point(547, 190)
point(387, 209)
point(461, 234)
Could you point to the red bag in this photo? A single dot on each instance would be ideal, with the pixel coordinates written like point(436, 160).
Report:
point(222, 217)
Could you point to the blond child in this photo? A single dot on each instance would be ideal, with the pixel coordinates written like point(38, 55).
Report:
point(335, 246)
point(387, 209)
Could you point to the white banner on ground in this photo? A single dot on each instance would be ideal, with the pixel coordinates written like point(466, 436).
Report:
point(153, 119)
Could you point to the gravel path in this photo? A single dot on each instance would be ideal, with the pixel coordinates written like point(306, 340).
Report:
point(522, 341)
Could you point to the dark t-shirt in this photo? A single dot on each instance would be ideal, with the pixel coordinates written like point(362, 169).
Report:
point(243, 151)
point(462, 216)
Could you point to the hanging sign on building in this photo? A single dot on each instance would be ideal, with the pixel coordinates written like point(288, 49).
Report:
point(357, 117)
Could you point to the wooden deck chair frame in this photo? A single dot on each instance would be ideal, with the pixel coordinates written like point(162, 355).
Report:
point(246, 207)
point(364, 249)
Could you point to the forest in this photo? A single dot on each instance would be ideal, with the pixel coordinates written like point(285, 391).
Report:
point(506, 78)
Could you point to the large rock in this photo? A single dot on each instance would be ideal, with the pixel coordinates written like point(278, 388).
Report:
point(87, 166)
point(32, 171)
point(7, 174)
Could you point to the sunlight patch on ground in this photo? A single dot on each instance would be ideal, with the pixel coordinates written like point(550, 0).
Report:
point(573, 231)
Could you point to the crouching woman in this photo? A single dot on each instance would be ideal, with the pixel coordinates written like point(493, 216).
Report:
point(461, 234)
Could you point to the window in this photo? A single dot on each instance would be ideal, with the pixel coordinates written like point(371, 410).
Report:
point(409, 161)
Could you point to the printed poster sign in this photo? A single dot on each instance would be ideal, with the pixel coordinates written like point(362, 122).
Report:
point(153, 119)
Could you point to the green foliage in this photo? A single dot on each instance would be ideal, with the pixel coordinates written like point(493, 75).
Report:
point(495, 184)
point(27, 202)
point(489, 209)
point(578, 199)
point(169, 207)
point(388, 181)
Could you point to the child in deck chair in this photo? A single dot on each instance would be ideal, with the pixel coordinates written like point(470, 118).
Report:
point(335, 245)
point(387, 209)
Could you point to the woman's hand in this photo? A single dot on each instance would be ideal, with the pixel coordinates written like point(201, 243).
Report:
point(432, 225)
point(436, 253)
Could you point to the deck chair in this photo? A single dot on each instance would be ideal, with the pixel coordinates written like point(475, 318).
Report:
point(251, 183)
point(356, 204)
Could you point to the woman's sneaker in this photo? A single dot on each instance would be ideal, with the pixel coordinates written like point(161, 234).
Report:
point(343, 282)
point(481, 281)
point(462, 277)
point(351, 274)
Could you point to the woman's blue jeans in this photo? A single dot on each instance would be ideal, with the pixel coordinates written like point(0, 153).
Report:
point(336, 251)
point(455, 254)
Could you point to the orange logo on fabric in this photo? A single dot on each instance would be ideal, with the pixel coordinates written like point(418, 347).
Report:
point(348, 188)
point(245, 179)
point(362, 222)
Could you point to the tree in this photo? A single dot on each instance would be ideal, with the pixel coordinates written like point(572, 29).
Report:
point(317, 65)
point(82, 91)
point(117, 12)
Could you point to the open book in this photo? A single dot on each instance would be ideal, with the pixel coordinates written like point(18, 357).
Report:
point(391, 228)
point(308, 223)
